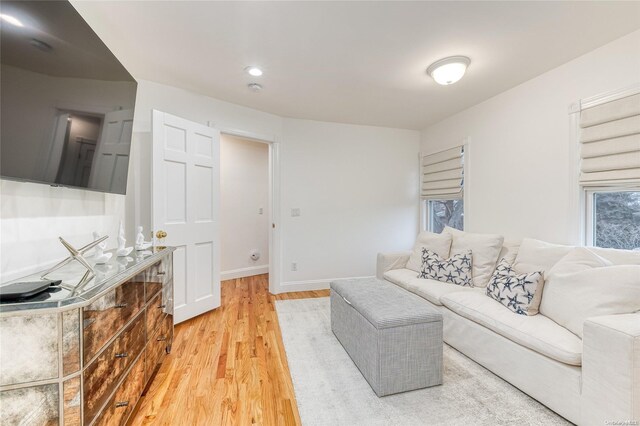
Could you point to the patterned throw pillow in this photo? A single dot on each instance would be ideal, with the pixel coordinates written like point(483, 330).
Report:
point(521, 293)
point(455, 270)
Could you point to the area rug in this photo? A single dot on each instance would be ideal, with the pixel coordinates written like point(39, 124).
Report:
point(330, 390)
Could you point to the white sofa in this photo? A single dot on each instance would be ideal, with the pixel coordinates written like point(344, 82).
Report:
point(589, 381)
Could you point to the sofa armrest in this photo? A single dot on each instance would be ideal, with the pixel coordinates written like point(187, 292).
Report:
point(611, 369)
point(389, 261)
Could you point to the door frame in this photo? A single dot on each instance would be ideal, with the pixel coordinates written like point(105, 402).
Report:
point(275, 243)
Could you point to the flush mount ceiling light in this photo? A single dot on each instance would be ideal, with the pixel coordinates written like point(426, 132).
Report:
point(448, 70)
point(254, 71)
point(254, 87)
point(10, 19)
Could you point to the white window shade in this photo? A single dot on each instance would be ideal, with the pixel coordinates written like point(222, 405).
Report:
point(610, 143)
point(443, 174)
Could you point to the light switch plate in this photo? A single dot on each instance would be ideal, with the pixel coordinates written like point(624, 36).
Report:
point(295, 212)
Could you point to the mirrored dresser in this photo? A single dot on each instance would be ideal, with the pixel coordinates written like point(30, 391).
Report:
point(83, 354)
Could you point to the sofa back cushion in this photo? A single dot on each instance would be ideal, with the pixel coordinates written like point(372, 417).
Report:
point(509, 250)
point(438, 243)
point(584, 285)
point(618, 257)
point(485, 249)
point(535, 255)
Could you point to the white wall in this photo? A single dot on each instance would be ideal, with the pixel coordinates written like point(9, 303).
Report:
point(522, 158)
point(356, 186)
point(194, 107)
point(244, 207)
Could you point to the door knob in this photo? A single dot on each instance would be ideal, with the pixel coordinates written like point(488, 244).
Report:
point(161, 234)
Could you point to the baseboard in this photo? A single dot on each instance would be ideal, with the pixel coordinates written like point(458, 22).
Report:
point(232, 274)
point(310, 285)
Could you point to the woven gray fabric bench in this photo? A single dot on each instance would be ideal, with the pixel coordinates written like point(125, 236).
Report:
point(393, 337)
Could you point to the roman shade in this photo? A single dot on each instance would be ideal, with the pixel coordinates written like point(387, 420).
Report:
point(610, 143)
point(443, 174)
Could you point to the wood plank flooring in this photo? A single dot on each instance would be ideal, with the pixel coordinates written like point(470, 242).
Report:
point(228, 366)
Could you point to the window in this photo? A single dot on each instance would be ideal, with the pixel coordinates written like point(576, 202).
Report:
point(441, 213)
point(613, 218)
point(442, 189)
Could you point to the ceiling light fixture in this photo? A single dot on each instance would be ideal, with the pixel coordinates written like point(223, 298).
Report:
point(254, 87)
point(254, 71)
point(10, 19)
point(41, 45)
point(448, 70)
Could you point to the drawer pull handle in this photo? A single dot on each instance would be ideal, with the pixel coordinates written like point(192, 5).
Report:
point(122, 355)
point(121, 305)
point(161, 339)
point(160, 273)
point(122, 404)
point(348, 303)
point(164, 305)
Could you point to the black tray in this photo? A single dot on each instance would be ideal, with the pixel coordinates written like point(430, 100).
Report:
point(24, 290)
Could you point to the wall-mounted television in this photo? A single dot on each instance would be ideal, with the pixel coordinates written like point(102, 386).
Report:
point(66, 102)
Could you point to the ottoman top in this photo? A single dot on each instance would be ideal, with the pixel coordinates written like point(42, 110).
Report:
point(383, 304)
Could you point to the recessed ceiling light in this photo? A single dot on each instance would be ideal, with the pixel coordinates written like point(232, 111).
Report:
point(448, 70)
point(10, 19)
point(254, 87)
point(254, 71)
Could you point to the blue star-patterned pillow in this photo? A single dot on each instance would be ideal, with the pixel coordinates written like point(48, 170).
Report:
point(455, 270)
point(518, 292)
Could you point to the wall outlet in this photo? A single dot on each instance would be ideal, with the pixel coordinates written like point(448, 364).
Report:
point(260, 210)
point(295, 212)
point(294, 266)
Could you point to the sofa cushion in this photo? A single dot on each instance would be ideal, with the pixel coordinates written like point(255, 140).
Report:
point(455, 270)
point(618, 257)
point(439, 243)
point(509, 250)
point(584, 285)
point(431, 290)
point(535, 255)
point(537, 332)
point(520, 293)
point(485, 249)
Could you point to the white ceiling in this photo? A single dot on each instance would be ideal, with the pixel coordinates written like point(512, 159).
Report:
point(352, 62)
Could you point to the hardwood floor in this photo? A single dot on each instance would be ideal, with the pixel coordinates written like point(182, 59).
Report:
point(228, 366)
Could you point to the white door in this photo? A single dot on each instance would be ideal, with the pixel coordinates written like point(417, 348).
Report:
point(186, 195)
point(54, 159)
point(111, 161)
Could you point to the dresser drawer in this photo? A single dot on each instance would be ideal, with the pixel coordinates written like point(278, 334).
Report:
point(120, 406)
point(103, 318)
point(157, 275)
point(155, 313)
point(103, 373)
point(158, 344)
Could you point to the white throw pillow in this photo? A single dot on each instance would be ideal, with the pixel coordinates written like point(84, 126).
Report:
point(454, 270)
point(535, 255)
point(520, 293)
point(509, 250)
point(485, 249)
point(438, 243)
point(584, 285)
point(618, 257)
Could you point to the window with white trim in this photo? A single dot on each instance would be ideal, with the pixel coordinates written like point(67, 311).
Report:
point(442, 189)
point(610, 171)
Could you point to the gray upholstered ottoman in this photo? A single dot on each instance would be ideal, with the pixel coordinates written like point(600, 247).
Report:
point(392, 336)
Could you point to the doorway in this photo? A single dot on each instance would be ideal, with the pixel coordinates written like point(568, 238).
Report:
point(245, 200)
